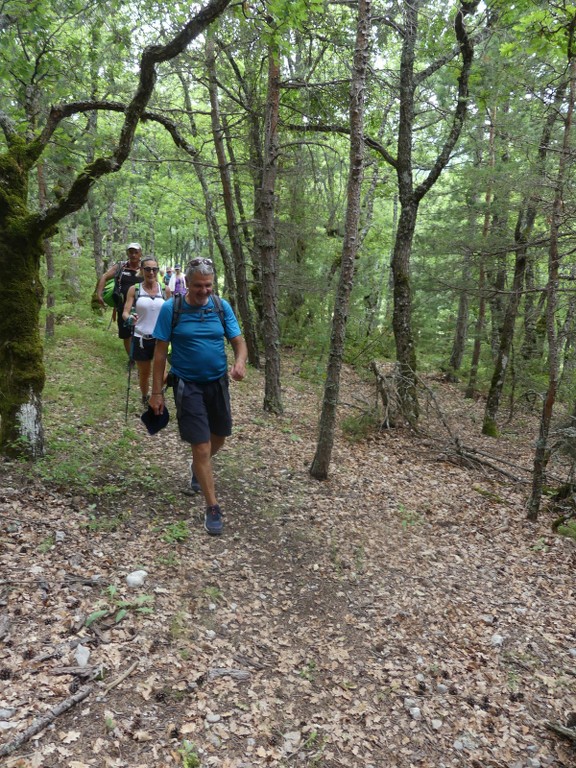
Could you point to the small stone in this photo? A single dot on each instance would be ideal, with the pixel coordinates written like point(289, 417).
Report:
point(210, 634)
point(572, 651)
point(409, 703)
point(292, 741)
point(211, 606)
point(82, 655)
point(436, 724)
point(487, 618)
point(497, 641)
point(521, 610)
point(60, 536)
point(441, 688)
point(211, 717)
point(136, 578)
point(420, 677)
point(5, 726)
point(6, 713)
point(415, 713)
point(533, 762)
point(458, 746)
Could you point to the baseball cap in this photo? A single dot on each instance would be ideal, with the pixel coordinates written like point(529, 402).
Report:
point(135, 246)
point(153, 422)
point(177, 266)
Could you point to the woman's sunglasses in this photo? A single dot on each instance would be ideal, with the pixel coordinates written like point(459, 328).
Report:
point(150, 269)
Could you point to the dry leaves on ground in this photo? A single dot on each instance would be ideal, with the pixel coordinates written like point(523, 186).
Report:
point(402, 613)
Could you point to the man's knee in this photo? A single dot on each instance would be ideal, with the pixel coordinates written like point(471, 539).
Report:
point(201, 451)
point(216, 442)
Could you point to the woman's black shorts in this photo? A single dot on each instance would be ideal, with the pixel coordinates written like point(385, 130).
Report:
point(142, 349)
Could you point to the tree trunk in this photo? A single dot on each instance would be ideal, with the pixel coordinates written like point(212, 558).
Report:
point(239, 278)
point(489, 426)
point(529, 344)
point(478, 331)
point(321, 461)
point(522, 234)
point(410, 196)
point(554, 259)
point(265, 240)
point(21, 355)
point(402, 315)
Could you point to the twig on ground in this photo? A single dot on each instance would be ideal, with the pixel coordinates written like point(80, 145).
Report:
point(120, 679)
point(44, 721)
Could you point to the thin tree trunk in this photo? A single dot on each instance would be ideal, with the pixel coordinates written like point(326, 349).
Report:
point(321, 461)
point(554, 258)
point(478, 332)
point(410, 196)
point(522, 234)
point(265, 240)
point(239, 278)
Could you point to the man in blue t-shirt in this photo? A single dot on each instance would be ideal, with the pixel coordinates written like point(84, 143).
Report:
point(199, 367)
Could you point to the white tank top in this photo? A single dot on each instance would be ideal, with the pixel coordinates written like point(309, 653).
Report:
point(147, 308)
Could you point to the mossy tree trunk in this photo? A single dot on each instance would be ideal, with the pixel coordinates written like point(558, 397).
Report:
point(21, 354)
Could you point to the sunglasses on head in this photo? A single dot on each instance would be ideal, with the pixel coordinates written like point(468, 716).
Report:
point(199, 260)
point(151, 269)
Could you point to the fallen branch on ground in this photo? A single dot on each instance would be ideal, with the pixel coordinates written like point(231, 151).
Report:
point(44, 721)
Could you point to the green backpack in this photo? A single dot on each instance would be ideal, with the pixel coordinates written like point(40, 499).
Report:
point(112, 295)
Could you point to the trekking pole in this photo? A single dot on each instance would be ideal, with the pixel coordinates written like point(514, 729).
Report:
point(128, 390)
point(130, 360)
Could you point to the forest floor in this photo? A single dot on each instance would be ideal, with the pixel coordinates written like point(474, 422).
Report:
point(402, 613)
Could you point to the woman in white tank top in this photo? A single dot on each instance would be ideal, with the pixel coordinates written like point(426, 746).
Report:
point(141, 310)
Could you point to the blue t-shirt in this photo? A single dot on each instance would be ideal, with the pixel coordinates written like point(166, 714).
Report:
point(198, 352)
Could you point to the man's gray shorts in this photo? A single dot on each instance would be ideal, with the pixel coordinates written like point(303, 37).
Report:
point(203, 409)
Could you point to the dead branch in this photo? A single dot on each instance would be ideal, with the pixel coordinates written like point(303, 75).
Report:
point(235, 674)
point(569, 733)
point(44, 721)
point(120, 679)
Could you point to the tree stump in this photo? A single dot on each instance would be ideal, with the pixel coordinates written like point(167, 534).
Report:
point(387, 387)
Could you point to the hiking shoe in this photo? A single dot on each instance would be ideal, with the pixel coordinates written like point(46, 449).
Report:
point(194, 484)
point(213, 520)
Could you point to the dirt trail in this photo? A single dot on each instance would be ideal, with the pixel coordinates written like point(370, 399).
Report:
point(403, 613)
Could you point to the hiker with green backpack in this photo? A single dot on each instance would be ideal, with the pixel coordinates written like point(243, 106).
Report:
point(121, 277)
point(196, 326)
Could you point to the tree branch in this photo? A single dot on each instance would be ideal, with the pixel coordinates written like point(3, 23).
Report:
point(151, 57)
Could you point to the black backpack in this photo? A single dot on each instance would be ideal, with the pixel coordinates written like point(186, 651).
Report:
point(177, 311)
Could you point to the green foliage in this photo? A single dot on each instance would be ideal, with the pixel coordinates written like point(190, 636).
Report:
point(176, 532)
point(189, 755)
point(358, 427)
point(568, 529)
point(117, 609)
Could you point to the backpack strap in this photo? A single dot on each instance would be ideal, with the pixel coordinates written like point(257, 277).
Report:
point(177, 311)
point(220, 309)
